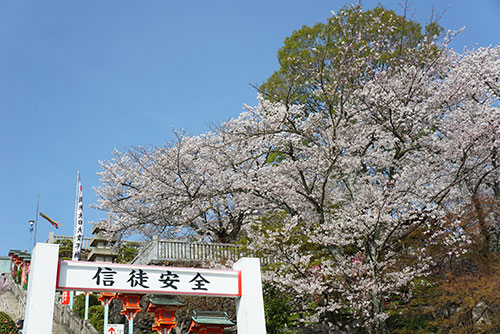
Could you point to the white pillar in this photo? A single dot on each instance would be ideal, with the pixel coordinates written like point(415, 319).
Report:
point(106, 311)
point(71, 300)
point(41, 289)
point(87, 305)
point(250, 307)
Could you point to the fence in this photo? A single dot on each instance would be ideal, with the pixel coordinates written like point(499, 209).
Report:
point(20, 294)
point(54, 238)
point(174, 250)
point(195, 251)
point(68, 318)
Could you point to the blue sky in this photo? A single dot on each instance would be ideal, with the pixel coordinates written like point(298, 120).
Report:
point(79, 79)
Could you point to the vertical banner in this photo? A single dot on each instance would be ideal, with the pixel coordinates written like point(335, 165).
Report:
point(65, 298)
point(78, 232)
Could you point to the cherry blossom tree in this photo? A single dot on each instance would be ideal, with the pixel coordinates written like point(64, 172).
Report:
point(356, 186)
point(185, 186)
point(348, 199)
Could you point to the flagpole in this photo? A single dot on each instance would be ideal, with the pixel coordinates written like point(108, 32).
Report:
point(78, 227)
point(36, 219)
point(73, 250)
point(74, 227)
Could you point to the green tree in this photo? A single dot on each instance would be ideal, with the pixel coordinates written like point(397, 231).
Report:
point(65, 249)
point(319, 65)
point(128, 251)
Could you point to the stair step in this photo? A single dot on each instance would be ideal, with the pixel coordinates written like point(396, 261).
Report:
point(9, 304)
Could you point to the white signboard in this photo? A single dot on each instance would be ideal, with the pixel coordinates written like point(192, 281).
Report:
point(95, 276)
point(115, 329)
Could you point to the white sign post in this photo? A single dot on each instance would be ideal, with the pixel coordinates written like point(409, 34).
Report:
point(115, 329)
point(242, 283)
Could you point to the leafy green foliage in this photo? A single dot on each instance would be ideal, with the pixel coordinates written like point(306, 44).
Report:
point(96, 310)
point(79, 303)
point(7, 325)
point(65, 249)
point(318, 64)
point(278, 310)
point(128, 252)
point(96, 317)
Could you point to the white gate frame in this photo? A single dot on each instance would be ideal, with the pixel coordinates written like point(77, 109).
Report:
point(42, 287)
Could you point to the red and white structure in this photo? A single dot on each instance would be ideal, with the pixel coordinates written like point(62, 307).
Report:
point(48, 274)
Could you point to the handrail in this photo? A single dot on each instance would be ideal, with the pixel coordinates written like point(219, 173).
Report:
point(147, 253)
point(62, 315)
point(5, 305)
point(20, 294)
point(195, 251)
point(176, 250)
point(65, 316)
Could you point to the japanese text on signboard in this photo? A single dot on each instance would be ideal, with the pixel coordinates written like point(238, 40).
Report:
point(105, 276)
point(147, 279)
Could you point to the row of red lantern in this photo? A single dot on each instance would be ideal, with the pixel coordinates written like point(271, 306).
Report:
point(164, 311)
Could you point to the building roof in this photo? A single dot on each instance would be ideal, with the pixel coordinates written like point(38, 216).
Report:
point(211, 318)
point(166, 301)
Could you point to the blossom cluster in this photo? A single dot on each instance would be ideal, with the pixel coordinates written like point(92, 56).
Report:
point(337, 197)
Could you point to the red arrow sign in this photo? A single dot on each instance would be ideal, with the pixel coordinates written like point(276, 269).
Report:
point(111, 331)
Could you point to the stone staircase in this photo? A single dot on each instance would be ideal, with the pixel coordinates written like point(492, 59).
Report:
point(12, 302)
point(10, 305)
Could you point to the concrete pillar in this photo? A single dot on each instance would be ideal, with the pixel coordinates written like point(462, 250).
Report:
point(41, 289)
point(250, 307)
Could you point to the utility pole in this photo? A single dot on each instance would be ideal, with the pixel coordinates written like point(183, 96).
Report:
point(36, 219)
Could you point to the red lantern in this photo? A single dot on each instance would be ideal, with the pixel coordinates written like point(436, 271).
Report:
point(130, 305)
point(106, 297)
point(164, 310)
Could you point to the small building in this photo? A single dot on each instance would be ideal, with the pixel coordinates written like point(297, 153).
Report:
point(4, 264)
point(209, 322)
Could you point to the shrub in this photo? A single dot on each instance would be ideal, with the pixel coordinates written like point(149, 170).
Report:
point(96, 317)
point(65, 249)
point(7, 325)
point(128, 252)
point(278, 309)
point(79, 304)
